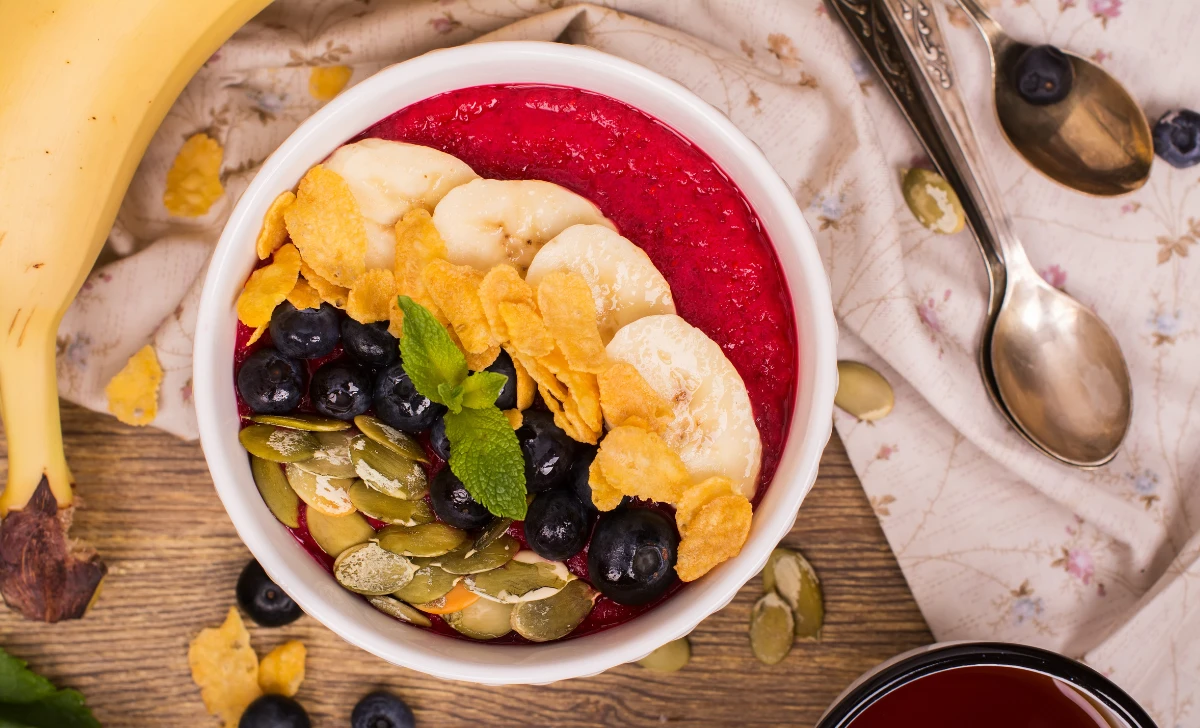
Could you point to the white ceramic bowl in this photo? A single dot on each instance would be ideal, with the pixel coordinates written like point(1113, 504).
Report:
point(358, 108)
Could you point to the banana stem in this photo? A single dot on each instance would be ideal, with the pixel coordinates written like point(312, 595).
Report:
point(29, 408)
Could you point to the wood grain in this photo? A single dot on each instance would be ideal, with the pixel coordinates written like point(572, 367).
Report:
point(149, 507)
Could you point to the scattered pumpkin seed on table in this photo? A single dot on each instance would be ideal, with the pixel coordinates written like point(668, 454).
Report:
point(789, 575)
point(932, 201)
point(772, 629)
point(863, 392)
point(671, 657)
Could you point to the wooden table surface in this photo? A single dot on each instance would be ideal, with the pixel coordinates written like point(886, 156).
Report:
point(173, 559)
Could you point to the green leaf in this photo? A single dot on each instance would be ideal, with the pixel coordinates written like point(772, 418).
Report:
point(430, 357)
point(451, 396)
point(485, 456)
point(19, 684)
point(482, 388)
point(63, 709)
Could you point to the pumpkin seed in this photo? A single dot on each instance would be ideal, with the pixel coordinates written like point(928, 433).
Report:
point(772, 629)
point(387, 472)
point(495, 530)
point(335, 534)
point(325, 494)
point(275, 491)
point(398, 442)
point(556, 616)
point(526, 578)
point(332, 457)
point(933, 201)
point(367, 569)
point(277, 444)
point(428, 583)
point(863, 392)
point(399, 610)
point(483, 620)
point(394, 511)
point(671, 657)
point(468, 559)
point(311, 423)
point(789, 575)
point(427, 539)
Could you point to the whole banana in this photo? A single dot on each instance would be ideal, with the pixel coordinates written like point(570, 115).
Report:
point(83, 87)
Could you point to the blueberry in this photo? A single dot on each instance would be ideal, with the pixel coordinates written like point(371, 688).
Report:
point(549, 452)
point(632, 556)
point(274, 711)
point(581, 477)
point(438, 440)
point(340, 390)
point(382, 710)
point(270, 382)
point(305, 333)
point(454, 505)
point(1177, 138)
point(262, 598)
point(1043, 75)
point(399, 404)
point(508, 395)
point(557, 525)
point(370, 344)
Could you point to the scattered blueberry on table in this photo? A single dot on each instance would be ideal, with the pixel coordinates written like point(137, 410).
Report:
point(270, 383)
point(1177, 138)
point(382, 710)
point(263, 600)
point(1043, 75)
point(274, 711)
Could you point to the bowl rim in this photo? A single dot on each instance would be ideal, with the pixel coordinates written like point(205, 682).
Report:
point(349, 114)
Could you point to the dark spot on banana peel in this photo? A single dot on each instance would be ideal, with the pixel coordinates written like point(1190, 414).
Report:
point(45, 575)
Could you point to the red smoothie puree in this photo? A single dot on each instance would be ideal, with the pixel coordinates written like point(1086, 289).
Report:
point(664, 194)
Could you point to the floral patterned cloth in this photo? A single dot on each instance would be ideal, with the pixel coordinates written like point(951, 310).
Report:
point(997, 541)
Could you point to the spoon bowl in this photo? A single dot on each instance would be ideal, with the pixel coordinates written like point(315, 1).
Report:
point(1060, 372)
point(1096, 140)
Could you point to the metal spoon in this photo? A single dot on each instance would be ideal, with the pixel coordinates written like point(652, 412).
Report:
point(1096, 140)
point(1051, 365)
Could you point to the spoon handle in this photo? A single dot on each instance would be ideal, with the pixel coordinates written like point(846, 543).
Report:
point(903, 41)
point(991, 30)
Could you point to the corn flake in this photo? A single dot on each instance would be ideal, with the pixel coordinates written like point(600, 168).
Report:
point(699, 495)
point(194, 179)
point(639, 463)
point(325, 82)
point(327, 226)
point(547, 383)
point(418, 243)
point(371, 296)
point(455, 290)
point(133, 393)
point(584, 394)
point(225, 667)
point(524, 328)
point(503, 284)
point(330, 293)
point(525, 385)
point(714, 535)
point(257, 334)
point(515, 418)
point(604, 496)
point(627, 398)
point(274, 232)
point(304, 295)
point(569, 313)
point(282, 671)
point(482, 360)
point(268, 287)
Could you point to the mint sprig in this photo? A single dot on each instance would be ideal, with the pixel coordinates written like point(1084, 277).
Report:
point(484, 453)
point(28, 700)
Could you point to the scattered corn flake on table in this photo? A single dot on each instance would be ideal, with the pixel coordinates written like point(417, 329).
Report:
point(173, 557)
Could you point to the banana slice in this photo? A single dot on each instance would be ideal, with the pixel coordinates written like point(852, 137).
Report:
point(390, 178)
point(624, 282)
point(713, 427)
point(487, 222)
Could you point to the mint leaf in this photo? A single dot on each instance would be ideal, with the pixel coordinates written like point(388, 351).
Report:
point(451, 396)
point(482, 388)
point(430, 357)
point(485, 456)
point(63, 709)
point(19, 684)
